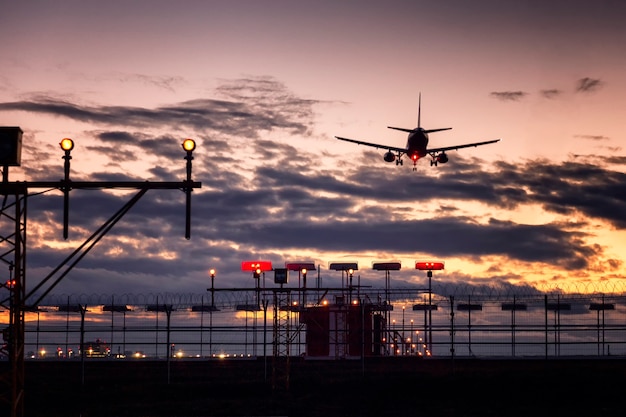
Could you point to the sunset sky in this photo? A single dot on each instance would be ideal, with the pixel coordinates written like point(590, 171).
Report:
point(264, 86)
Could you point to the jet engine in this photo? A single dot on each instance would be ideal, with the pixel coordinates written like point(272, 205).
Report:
point(389, 157)
point(442, 158)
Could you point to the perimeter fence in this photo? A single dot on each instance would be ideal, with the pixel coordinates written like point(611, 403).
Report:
point(440, 322)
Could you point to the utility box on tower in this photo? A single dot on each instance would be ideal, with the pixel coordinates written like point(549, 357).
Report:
point(10, 146)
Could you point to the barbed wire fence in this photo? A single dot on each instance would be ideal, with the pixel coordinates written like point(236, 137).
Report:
point(467, 320)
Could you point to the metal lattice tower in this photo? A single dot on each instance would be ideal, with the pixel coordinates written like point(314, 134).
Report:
point(281, 344)
point(13, 247)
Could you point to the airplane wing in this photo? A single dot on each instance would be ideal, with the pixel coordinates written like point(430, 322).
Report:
point(373, 145)
point(467, 145)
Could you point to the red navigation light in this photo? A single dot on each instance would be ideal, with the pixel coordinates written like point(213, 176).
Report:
point(252, 266)
point(428, 266)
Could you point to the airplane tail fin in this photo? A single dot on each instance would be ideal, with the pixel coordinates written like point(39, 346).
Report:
point(419, 110)
point(419, 113)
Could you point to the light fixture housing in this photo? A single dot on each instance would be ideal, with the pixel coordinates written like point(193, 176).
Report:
point(189, 145)
point(67, 144)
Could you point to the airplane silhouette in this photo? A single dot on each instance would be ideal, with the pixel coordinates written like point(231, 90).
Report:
point(417, 144)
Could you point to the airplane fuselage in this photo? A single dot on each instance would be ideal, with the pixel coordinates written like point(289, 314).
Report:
point(417, 144)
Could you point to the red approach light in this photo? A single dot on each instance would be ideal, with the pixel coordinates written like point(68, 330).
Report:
point(386, 266)
point(343, 266)
point(428, 266)
point(254, 265)
point(299, 266)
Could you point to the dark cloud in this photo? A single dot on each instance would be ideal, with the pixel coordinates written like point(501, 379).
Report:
point(242, 115)
point(593, 137)
point(551, 93)
point(508, 95)
point(583, 85)
point(164, 82)
point(116, 137)
point(588, 85)
point(568, 188)
point(544, 243)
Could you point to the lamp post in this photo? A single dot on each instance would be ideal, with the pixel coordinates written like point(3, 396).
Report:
point(430, 311)
point(394, 339)
point(189, 145)
point(201, 324)
point(429, 267)
point(350, 273)
point(212, 272)
point(403, 340)
point(303, 271)
point(67, 145)
point(411, 340)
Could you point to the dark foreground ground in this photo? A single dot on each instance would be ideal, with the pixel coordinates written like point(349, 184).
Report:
point(405, 386)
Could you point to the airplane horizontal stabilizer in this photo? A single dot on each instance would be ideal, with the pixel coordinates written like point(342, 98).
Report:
point(437, 130)
point(401, 128)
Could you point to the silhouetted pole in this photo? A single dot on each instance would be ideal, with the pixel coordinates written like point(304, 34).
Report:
point(168, 312)
point(67, 145)
point(189, 146)
point(83, 310)
point(212, 272)
point(201, 324)
point(452, 326)
point(265, 303)
point(545, 309)
point(304, 271)
point(430, 312)
point(156, 330)
point(513, 328)
point(362, 336)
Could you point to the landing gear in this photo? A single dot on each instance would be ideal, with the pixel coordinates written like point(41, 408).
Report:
point(398, 161)
point(433, 162)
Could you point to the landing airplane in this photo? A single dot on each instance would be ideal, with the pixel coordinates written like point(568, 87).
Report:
point(417, 144)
